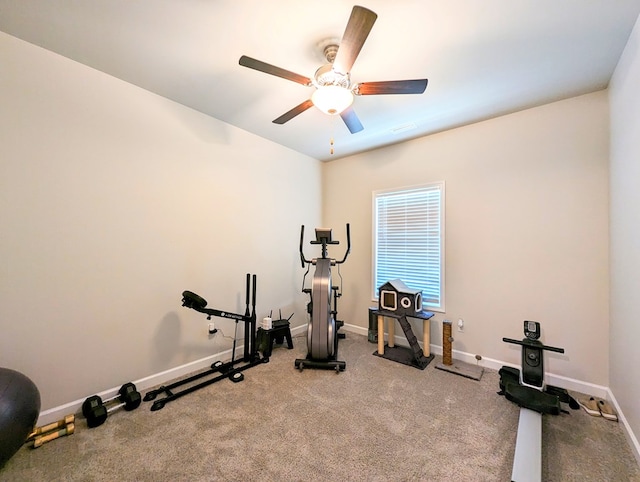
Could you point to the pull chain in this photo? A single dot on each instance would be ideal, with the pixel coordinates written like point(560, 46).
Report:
point(333, 123)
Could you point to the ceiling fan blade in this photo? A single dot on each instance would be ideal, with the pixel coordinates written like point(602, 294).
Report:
point(360, 23)
point(287, 116)
point(273, 70)
point(417, 86)
point(351, 120)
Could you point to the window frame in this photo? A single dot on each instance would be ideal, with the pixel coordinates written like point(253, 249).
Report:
point(376, 195)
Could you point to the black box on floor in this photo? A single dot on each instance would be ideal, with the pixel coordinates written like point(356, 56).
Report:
point(373, 325)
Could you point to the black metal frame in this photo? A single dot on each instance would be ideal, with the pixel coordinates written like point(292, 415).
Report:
point(251, 356)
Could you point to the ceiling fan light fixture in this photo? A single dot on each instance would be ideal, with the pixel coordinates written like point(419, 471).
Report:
point(332, 99)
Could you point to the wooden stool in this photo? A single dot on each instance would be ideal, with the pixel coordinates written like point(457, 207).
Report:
point(279, 331)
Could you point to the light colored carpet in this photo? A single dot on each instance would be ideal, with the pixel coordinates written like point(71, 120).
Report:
point(376, 421)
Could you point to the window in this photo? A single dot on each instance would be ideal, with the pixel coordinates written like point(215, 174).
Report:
point(408, 240)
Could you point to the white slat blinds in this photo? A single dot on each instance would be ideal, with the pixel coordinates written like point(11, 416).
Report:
point(409, 240)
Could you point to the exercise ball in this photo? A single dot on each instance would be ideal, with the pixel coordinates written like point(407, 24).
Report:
point(19, 410)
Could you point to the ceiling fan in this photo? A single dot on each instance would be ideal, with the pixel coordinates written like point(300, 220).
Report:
point(334, 90)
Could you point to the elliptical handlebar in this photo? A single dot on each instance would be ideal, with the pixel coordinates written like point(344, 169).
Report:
point(348, 246)
point(304, 260)
point(533, 344)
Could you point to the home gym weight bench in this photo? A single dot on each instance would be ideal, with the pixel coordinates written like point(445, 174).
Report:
point(228, 370)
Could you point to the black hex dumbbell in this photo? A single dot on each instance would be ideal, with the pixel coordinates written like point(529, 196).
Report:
point(95, 409)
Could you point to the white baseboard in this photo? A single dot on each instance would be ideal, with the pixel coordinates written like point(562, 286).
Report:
point(550, 378)
point(58, 413)
point(631, 438)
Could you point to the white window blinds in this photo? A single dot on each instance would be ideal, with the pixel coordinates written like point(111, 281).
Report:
point(409, 240)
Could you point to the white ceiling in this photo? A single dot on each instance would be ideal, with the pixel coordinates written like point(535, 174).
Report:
point(483, 58)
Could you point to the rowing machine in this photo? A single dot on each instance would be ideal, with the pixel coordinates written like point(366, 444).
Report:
point(528, 390)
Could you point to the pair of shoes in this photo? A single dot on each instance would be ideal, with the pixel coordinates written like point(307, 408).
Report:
point(590, 406)
point(599, 407)
point(607, 411)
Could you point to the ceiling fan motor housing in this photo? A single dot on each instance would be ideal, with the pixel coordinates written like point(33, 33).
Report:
point(325, 75)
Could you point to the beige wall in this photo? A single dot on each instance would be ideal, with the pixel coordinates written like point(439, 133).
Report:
point(625, 233)
point(526, 229)
point(113, 201)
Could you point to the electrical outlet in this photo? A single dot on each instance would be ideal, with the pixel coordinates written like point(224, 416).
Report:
point(460, 324)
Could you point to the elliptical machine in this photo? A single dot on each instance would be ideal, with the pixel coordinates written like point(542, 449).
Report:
point(322, 331)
